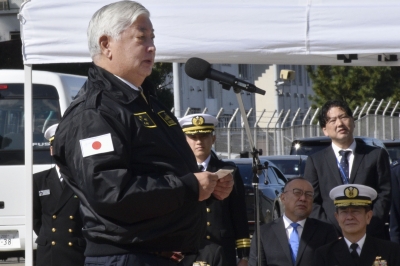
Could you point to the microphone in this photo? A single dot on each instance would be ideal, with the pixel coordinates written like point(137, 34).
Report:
point(200, 69)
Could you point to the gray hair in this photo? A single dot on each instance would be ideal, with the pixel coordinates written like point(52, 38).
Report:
point(111, 20)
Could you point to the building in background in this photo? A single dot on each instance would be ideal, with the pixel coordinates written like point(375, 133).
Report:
point(200, 94)
point(9, 23)
point(280, 96)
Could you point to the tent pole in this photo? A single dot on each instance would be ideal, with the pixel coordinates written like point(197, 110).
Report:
point(28, 165)
point(177, 100)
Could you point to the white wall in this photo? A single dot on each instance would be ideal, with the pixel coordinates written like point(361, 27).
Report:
point(8, 23)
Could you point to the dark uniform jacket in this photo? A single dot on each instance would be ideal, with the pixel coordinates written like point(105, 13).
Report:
point(338, 253)
point(395, 208)
point(139, 194)
point(56, 222)
point(370, 168)
point(275, 249)
point(209, 253)
point(227, 219)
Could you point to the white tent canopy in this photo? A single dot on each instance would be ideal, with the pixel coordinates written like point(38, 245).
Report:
point(228, 31)
point(311, 32)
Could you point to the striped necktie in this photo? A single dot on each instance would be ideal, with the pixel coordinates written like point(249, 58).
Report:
point(344, 164)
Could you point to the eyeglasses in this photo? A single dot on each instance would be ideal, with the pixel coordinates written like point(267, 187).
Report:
point(298, 193)
point(332, 120)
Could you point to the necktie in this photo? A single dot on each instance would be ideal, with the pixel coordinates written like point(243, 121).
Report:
point(201, 167)
point(354, 253)
point(344, 164)
point(294, 241)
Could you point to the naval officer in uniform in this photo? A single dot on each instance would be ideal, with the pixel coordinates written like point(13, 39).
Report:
point(227, 223)
point(356, 248)
point(56, 219)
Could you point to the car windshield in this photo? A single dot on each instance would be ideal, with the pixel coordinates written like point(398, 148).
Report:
point(308, 148)
point(394, 151)
point(290, 167)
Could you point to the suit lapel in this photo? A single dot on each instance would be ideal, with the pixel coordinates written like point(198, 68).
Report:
point(308, 232)
point(331, 160)
point(54, 184)
point(61, 194)
point(280, 232)
point(368, 252)
point(66, 194)
point(358, 157)
point(342, 254)
point(212, 165)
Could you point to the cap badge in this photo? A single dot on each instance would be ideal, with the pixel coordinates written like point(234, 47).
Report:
point(351, 192)
point(197, 120)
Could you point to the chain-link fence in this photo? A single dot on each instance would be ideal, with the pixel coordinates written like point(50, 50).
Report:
point(375, 119)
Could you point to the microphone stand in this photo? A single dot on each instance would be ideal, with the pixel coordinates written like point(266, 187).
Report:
point(256, 169)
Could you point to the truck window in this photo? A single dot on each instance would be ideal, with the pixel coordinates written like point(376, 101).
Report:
point(46, 112)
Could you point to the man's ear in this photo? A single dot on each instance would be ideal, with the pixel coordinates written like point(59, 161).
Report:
point(337, 216)
point(369, 216)
point(282, 196)
point(104, 43)
point(325, 133)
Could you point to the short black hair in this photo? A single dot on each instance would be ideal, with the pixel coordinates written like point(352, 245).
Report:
point(323, 118)
point(292, 179)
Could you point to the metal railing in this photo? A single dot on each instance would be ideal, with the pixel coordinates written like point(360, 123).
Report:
point(274, 132)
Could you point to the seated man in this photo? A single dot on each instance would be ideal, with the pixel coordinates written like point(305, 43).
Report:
point(293, 238)
point(353, 213)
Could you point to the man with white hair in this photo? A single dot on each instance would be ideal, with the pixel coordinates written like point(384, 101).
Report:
point(143, 199)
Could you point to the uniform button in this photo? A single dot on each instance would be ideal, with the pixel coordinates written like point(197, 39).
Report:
point(54, 216)
point(70, 230)
point(75, 196)
point(53, 243)
point(53, 230)
point(208, 210)
point(208, 223)
point(70, 244)
point(71, 217)
point(208, 237)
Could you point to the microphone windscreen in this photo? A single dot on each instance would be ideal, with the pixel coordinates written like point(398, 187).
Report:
point(197, 68)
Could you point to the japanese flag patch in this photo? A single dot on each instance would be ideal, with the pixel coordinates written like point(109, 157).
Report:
point(96, 145)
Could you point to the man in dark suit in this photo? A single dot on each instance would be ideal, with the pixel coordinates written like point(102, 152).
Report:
point(293, 238)
point(56, 218)
point(395, 208)
point(356, 248)
point(348, 161)
point(227, 223)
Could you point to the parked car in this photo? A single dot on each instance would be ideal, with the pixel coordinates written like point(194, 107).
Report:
point(271, 182)
point(290, 165)
point(308, 146)
point(393, 148)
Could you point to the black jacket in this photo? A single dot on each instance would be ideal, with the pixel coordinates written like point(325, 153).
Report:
point(57, 222)
point(141, 195)
point(370, 168)
point(275, 247)
point(227, 219)
point(338, 253)
point(395, 208)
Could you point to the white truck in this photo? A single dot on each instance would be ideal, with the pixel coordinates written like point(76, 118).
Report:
point(52, 94)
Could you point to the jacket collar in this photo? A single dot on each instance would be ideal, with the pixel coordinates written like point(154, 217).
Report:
point(101, 79)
